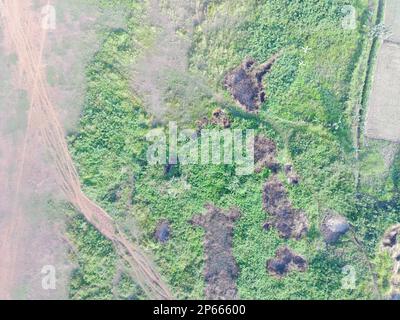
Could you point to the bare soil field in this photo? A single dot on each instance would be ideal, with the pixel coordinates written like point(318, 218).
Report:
point(383, 117)
point(392, 19)
point(29, 233)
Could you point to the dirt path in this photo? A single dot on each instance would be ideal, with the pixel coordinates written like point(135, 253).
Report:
point(10, 242)
point(20, 27)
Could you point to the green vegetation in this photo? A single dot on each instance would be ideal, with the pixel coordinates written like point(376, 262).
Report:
point(97, 275)
point(311, 95)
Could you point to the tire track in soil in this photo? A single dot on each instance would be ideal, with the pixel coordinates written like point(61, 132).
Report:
point(19, 26)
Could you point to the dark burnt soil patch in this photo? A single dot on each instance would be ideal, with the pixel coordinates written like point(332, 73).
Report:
point(285, 261)
point(221, 270)
point(245, 83)
point(219, 118)
point(390, 243)
point(290, 222)
point(113, 194)
point(291, 175)
point(390, 239)
point(264, 154)
point(163, 231)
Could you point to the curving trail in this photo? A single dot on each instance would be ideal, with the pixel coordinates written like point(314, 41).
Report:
point(22, 31)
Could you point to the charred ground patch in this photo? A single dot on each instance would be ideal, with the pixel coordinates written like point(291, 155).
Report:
point(163, 231)
point(391, 244)
point(221, 270)
point(264, 154)
point(219, 118)
point(292, 176)
point(290, 222)
point(245, 83)
point(284, 262)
